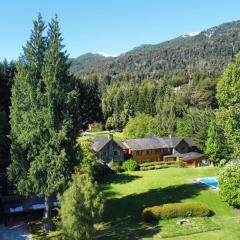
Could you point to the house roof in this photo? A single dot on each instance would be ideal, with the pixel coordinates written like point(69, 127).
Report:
point(121, 145)
point(187, 157)
point(191, 156)
point(150, 142)
point(190, 142)
point(99, 143)
point(154, 142)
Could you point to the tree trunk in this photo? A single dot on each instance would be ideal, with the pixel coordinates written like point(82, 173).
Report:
point(48, 224)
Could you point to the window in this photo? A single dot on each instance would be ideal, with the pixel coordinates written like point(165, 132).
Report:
point(148, 152)
point(115, 153)
point(157, 151)
point(138, 153)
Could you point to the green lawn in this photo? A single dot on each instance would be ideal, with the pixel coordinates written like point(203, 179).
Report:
point(116, 135)
point(129, 193)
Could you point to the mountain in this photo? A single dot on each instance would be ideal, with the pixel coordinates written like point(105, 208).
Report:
point(178, 60)
point(88, 60)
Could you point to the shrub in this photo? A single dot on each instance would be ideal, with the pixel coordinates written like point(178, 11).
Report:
point(229, 182)
point(174, 210)
point(130, 165)
point(117, 169)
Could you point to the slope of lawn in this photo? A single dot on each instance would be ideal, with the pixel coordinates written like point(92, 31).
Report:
point(116, 135)
point(129, 193)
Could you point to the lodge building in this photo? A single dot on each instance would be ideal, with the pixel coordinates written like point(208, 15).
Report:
point(148, 149)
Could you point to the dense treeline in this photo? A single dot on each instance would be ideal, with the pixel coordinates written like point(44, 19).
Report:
point(185, 111)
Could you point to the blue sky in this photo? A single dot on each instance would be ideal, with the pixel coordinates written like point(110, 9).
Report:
point(111, 26)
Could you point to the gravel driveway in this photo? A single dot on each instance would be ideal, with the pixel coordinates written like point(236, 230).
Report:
point(15, 232)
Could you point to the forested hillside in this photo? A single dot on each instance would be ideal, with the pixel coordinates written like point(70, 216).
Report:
point(173, 83)
point(179, 61)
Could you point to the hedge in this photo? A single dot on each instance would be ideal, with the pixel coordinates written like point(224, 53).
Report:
point(174, 210)
point(159, 165)
point(147, 164)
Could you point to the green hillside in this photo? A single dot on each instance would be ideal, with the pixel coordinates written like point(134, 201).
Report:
point(179, 60)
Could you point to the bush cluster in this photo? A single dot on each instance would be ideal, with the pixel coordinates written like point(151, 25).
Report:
point(174, 210)
point(130, 165)
point(159, 165)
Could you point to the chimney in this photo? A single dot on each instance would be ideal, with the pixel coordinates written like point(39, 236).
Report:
point(170, 136)
point(110, 136)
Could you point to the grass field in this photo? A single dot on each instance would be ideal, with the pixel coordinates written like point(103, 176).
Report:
point(116, 135)
point(129, 193)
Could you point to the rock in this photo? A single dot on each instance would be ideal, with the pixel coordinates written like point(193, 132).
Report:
point(182, 221)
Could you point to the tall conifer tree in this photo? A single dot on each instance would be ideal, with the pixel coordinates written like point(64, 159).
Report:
point(43, 152)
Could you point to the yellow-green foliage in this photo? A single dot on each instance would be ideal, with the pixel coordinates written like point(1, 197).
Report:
point(81, 206)
point(130, 165)
point(229, 182)
point(173, 210)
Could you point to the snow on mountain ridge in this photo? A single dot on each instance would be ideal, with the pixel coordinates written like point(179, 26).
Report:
point(191, 34)
point(106, 54)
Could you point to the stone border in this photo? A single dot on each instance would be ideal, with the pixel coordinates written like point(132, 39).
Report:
point(196, 180)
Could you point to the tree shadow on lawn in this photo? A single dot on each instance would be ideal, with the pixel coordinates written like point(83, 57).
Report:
point(124, 215)
point(106, 181)
point(118, 178)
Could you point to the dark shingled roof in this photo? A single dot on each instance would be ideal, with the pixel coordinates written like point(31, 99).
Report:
point(191, 156)
point(156, 142)
point(121, 145)
point(99, 143)
point(150, 142)
point(190, 142)
point(187, 157)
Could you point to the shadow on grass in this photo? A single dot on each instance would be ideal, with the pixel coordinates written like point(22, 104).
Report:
point(124, 215)
point(106, 181)
point(118, 178)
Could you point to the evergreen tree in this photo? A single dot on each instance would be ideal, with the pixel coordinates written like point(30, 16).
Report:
point(166, 114)
point(81, 207)
point(90, 101)
point(44, 118)
point(215, 145)
point(204, 95)
point(23, 119)
point(7, 71)
point(195, 124)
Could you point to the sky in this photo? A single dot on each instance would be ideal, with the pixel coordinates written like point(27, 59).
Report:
point(110, 26)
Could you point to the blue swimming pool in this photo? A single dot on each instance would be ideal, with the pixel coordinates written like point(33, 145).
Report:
point(210, 181)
